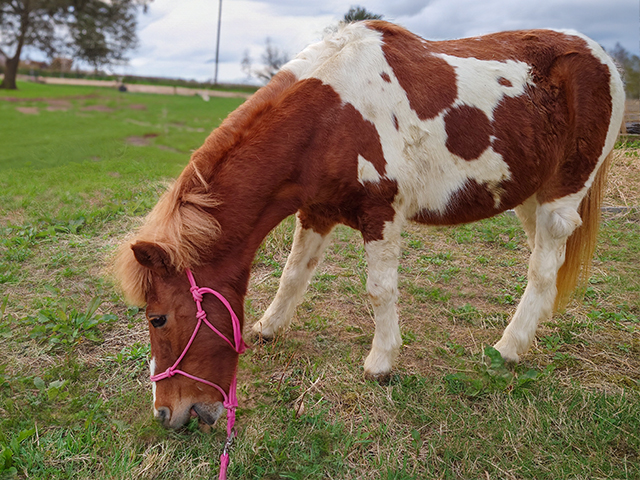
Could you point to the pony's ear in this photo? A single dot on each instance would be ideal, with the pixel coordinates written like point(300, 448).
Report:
point(152, 256)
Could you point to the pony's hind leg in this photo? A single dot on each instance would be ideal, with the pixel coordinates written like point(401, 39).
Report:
point(306, 252)
point(526, 213)
point(554, 223)
point(382, 287)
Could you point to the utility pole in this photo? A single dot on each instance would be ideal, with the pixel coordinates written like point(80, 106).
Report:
point(215, 78)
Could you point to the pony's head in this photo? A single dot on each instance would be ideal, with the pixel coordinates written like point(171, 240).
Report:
point(151, 268)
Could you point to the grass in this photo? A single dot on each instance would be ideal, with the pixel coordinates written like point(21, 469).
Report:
point(75, 399)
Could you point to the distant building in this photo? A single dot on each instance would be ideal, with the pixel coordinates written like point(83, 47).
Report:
point(31, 64)
point(60, 64)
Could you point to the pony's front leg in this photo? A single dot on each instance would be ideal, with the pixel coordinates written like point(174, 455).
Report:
point(382, 287)
point(306, 253)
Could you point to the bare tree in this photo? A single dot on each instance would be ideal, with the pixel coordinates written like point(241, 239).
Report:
point(272, 59)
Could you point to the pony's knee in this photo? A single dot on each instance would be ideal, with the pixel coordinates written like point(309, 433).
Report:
point(382, 291)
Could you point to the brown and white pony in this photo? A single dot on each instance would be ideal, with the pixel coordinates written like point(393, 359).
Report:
point(371, 127)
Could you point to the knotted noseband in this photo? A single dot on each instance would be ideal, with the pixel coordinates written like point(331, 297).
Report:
point(238, 345)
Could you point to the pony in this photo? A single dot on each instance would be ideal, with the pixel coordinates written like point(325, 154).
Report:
point(372, 127)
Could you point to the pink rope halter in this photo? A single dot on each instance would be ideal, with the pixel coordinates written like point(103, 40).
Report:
point(238, 345)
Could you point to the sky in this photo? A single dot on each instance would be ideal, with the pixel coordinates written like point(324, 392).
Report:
point(177, 38)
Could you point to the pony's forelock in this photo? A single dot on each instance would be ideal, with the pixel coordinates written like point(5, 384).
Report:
point(181, 224)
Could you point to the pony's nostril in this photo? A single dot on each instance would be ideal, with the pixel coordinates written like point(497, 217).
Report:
point(163, 414)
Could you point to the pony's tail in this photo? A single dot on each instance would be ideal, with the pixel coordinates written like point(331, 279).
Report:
point(574, 274)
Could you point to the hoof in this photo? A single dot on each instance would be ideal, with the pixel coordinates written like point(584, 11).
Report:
point(259, 339)
point(381, 378)
point(261, 334)
point(508, 352)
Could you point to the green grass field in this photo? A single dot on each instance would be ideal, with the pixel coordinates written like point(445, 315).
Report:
point(79, 167)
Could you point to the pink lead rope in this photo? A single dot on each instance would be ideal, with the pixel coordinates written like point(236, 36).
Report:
point(230, 400)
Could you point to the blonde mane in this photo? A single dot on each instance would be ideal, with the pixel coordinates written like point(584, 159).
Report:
point(182, 223)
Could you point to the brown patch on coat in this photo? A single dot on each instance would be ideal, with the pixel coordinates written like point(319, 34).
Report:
point(470, 203)
point(562, 119)
point(551, 137)
point(429, 81)
point(395, 122)
point(385, 76)
point(341, 135)
point(468, 131)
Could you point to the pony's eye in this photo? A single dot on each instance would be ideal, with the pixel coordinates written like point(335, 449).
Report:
point(158, 321)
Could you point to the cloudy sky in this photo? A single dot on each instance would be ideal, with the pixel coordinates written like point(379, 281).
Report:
point(178, 37)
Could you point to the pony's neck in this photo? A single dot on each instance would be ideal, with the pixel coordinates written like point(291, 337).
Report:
point(274, 168)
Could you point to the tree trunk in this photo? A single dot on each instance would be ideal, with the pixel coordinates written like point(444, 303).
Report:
point(11, 64)
point(10, 73)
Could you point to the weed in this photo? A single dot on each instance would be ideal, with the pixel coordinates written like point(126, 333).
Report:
point(66, 328)
point(491, 375)
point(466, 313)
point(11, 450)
point(136, 353)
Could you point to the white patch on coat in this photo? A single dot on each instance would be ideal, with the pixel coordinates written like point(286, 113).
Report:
point(478, 81)
point(555, 222)
point(352, 63)
point(152, 370)
point(367, 171)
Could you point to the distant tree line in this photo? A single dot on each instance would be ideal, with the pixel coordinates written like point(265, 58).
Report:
point(630, 66)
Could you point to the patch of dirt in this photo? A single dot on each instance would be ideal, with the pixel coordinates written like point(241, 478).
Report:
point(141, 141)
point(28, 110)
point(137, 106)
point(48, 100)
point(58, 105)
point(97, 108)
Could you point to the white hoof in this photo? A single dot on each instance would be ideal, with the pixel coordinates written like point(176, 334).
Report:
point(508, 350)
point(379, 364)
point(263, 331)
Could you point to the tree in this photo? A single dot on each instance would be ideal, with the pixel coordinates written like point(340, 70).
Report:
point(272, 59)
point(98, 32)
point(630, 65)
point(358, 13)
